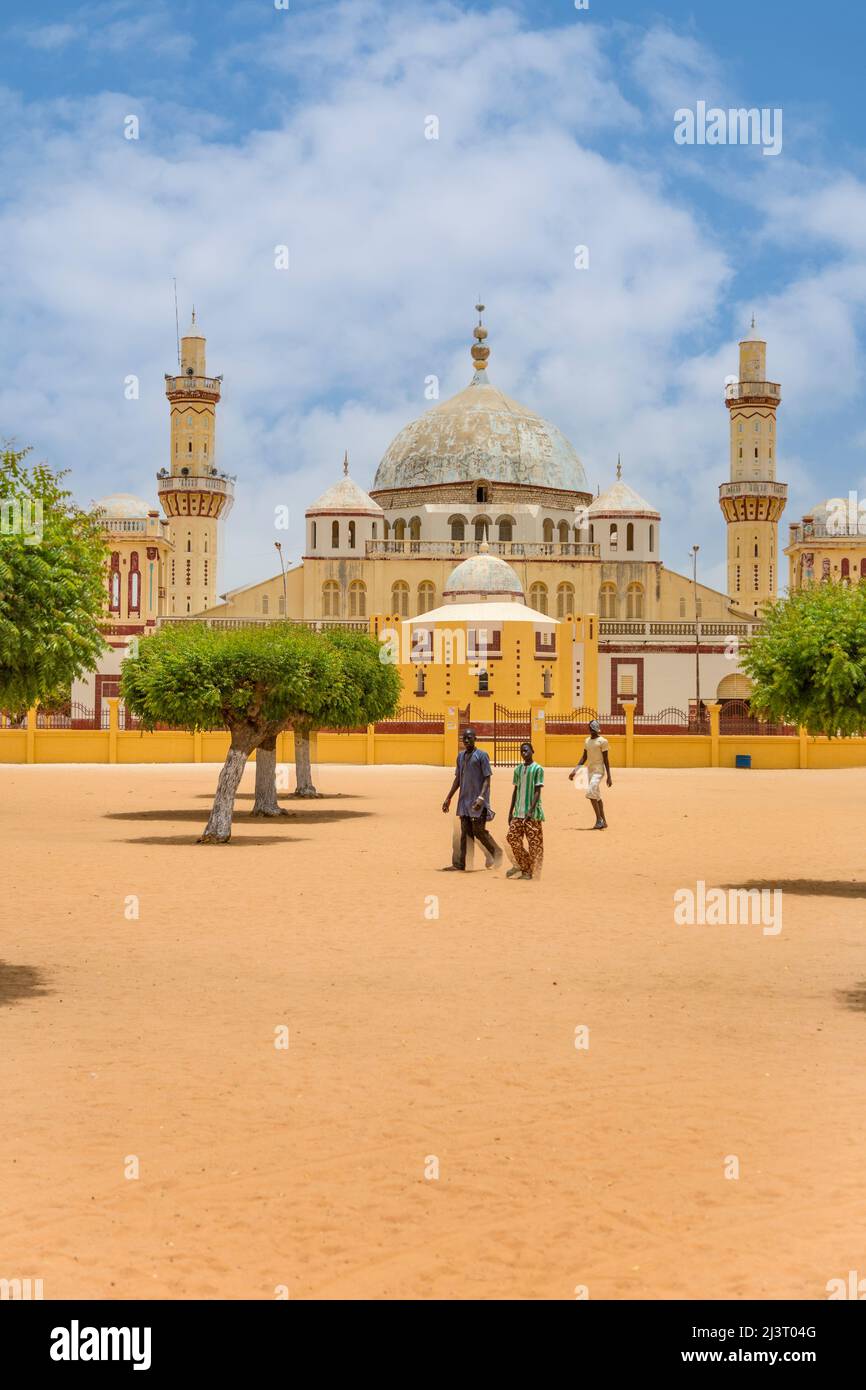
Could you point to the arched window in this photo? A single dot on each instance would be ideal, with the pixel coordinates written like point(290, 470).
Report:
point(265, 604)
point(591, 534)
point(114, 582)
point(547, 531)
point(563, 533)
point(400, 598)
point(415, 529)
point(863, 568)
point(375, 529)
point(634, 601)
point(846, 568)
point(629, 536)
point(314, 535)
point(133, 585)
point(351, 535)
point(386, 529)
point(652, 538)
point(607, 601)
point(458, 528)
point(538, 595)
point(330, 599)
point(505, 528)
point(564, 600)
point(335, 535)
point(481, 526)
point(426, 596)
point(613, 536)
point(357, 599)
point(399, 529)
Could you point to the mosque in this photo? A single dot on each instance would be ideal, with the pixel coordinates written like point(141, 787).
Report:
point(479, 522)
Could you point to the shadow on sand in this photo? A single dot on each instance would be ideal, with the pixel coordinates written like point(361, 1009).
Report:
point(806, 887)
point(302, 812)
point(20, 982)
point(235, 840)
point(853, 998)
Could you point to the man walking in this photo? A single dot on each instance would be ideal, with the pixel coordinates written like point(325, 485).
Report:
point(472, 776)
point(597, 764)
point(525, 817)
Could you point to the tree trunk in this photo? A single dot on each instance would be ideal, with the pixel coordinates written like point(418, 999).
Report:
point(218, 830)
point(303, 770)
point(266, 803)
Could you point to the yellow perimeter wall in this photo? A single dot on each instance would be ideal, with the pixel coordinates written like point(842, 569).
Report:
point(629, 749)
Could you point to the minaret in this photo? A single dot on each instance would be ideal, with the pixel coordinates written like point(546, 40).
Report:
point(193, 492)
point(753, 501)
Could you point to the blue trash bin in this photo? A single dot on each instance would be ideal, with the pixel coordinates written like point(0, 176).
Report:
point(743, 760)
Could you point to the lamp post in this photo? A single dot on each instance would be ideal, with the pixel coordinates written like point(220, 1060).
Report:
point(279, 549)
point(695, 549)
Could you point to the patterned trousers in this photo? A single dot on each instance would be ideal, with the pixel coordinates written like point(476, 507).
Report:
point(528, 858)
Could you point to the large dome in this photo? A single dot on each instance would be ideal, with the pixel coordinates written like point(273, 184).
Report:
point(480, 434)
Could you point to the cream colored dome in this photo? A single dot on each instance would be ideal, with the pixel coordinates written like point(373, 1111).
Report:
point(620, 499)
point(483, 574)
point(124, 506)
point(345, 497)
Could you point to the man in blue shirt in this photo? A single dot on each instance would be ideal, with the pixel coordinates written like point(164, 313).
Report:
point(472, 776)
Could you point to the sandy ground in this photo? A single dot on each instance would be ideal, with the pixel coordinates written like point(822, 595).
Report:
point(414, 1039)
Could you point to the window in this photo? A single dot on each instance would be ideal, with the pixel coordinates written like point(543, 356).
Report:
point(458, 528)
point(415, 529)
point(538, 595)
point(756, 550)
point(564, 600)
point(563, 533)
point(756, 451)
point(330, 599)
point(505, 528)
point(652, 538)
point(682, 608)
point(400, 598)
point(188, 543)
point(399, 529)
point(613, 536)
point(481, 494)
point(634, 601)
point(629, 536)
point(281, 605)
point(481, 526)
point(386, 529)
point(189, 447)
point(375, 525)
point(357, 599)
point(114, 584)
point(314, 535)
point(591, 534)
point(846, 568)
point(607, 601)
point(335, 535)
point(351, 535)
point(426, 596)
point(547, 531)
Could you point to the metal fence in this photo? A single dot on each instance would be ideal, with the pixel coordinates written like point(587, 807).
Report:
point(736, 718)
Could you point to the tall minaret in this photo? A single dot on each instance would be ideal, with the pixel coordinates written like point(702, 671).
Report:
point(753, 501)
point(194, 493)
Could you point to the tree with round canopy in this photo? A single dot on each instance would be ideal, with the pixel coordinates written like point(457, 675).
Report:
point(808, 660)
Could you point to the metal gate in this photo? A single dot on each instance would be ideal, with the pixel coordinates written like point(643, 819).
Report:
point(511, 727)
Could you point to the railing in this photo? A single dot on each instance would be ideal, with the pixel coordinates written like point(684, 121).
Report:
point(819, 531)
point(192, 383)
point(630, 628)
point(315, 624)
point(736, 718)
point(577, 550)
point(199, 482)
point(72, 716)
point(753, 487)
point(411, 719)
point(742, 390)
point(577, 721)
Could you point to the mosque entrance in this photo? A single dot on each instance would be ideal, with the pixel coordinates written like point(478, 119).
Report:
point(511, 727)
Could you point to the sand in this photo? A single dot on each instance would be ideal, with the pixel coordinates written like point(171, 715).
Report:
point(416, 1042)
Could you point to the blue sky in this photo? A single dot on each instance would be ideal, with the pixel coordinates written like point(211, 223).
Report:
point(305, 128)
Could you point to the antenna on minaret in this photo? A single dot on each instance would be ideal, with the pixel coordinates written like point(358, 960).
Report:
point(346, 464)
point(176, 320)
point(618, 467)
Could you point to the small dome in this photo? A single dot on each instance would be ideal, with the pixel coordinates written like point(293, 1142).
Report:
point(483, 574)
point(347, 498)
point(124, 506)
point(620, 499)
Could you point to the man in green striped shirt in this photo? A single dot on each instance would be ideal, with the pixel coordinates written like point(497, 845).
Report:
point(525, 817)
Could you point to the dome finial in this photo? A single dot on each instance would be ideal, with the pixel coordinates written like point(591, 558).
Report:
point(346, 464)
point(618, 467)
point(480, 353)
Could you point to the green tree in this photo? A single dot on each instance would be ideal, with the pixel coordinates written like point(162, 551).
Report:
point(808, 661)
point(52, 584)
point(367, 690)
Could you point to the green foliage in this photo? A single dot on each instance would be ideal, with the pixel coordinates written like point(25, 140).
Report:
point(808, 661)
point(51, 586)
point(259, 679)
